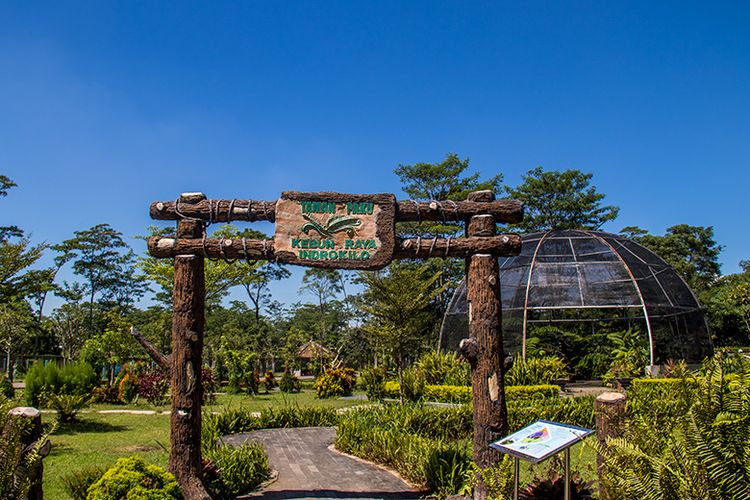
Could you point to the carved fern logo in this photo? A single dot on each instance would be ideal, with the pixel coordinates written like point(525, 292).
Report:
point(334, 224)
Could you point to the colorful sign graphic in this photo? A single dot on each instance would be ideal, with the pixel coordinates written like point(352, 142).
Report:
point(540, 440)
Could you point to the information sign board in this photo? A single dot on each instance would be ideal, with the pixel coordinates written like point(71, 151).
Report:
point(540, 440)
point(335, 230)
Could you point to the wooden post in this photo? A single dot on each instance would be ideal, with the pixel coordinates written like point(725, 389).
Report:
point(484, 347)
point(33, 434)
point(188, 317)
point(609, 410)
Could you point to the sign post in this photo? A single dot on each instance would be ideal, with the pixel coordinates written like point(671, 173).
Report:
point(537, 442)
point(334, 231)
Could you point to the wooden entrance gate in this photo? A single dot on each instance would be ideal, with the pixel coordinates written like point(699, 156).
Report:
point(341, 231)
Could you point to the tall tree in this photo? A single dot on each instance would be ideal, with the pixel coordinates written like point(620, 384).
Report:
point(560, 200)
point(16, 323)
point(447, 180)
point(7, 232)
point(398, 302)
point(16, 280)
point(101, 256)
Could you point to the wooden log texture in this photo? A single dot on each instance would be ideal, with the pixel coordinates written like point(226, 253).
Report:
point(409, 248)
point(33, 424)
point(186, 361)
point(609, 411)
point(508, 211)
point(487, 378)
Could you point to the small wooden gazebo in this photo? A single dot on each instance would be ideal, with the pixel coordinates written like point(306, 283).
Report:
point(312, 351)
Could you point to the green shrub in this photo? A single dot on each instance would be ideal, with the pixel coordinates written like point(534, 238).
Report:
point(237, 469)
point(74, 378)
point(704, 454)
point(463, 394)
point(269, 381)
point(427, 445)
point(536, 371)
point(336, 382)
point(444, 368)
point(77, 483)
point(374, 381)
point(573, 411)
point(662, 400)
point(233, 421)
point(127, 389)
point(413, 388)
point(289, 383)
point(6, 387)
point(67, 406)
point(435, 463)
point(131, 478)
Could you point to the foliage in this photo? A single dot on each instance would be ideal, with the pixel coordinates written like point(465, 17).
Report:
point(6, 387)
point(153, 385)
point(574, 411)
point(240, 367)
point(412, 387)
point(269, 381)
point(67, 406)
point(498, 479)
point(661, 400)
point(102, 258)
point(444, 368)
point(463, 394)
point(106, 393)
point(132, 478)
point(447, 180)
point(77, 483)
point(707, 452)
point(16, 324)
point(536, 371)
point(75, 378)
point(237, 469)
point(289, 383)
point(691, 250)
point(630, 354)
point(209, 385)
point(373, 380)
point(336, 382)
point(560, 200)
point(397, 304)
point(441, 465)
point(236, 420)
point(127, 389)
point(17, 461)
point(553, 486)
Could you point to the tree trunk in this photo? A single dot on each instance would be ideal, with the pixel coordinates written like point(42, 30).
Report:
point(188, 318)
point(483, 295)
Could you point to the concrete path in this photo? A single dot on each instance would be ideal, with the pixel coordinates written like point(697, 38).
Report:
point(307, 468)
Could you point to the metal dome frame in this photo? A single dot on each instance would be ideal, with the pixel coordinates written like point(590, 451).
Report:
point(637, 266)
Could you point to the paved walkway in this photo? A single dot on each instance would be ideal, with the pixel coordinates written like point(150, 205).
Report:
point(307, 468)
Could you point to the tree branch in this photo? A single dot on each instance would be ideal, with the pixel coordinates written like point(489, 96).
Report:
point(161, 359)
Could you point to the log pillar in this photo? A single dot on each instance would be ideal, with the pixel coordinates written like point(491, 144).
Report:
point(609, 410)
point(484, 347)
point(188, 318)
point(33, 432)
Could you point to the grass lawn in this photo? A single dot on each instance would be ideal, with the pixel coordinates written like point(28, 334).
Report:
point(100, 439)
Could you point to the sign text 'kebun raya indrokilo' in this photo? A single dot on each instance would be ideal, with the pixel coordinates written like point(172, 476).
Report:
point(335, 230)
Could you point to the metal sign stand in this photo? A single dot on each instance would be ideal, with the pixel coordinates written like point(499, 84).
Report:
point(517, 475)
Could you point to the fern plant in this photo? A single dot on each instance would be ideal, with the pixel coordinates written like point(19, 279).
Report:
point(706, 454)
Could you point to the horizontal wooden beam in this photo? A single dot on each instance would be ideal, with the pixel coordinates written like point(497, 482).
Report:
point(408, 248)
point(508, 211)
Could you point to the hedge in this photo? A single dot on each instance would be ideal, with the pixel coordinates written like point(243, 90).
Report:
point(462, 394)
point(665, 397)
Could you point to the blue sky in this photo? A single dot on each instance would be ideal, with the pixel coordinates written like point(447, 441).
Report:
point(107, 106)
